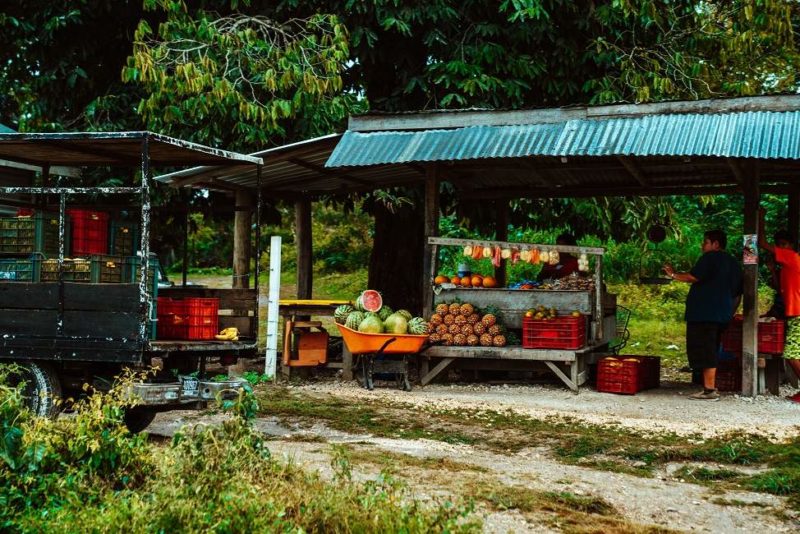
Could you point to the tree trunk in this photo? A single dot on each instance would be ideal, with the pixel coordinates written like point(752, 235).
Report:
point(395, 265)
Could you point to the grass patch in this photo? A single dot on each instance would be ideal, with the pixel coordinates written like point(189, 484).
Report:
point(395, 463)
point(602, 447)
point(704, 475)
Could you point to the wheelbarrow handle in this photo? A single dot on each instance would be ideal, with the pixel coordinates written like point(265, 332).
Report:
point(383, 347)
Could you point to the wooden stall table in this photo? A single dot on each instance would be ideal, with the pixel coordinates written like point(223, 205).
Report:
point(302, 309)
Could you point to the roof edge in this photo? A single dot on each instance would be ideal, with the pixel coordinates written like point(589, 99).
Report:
point(447, 119)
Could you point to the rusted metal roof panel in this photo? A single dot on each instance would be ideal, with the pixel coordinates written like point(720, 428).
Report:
point(757, 134)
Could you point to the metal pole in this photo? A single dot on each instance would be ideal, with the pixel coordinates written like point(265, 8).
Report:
point(271, 361)
point(62, 213)
point(145, 296)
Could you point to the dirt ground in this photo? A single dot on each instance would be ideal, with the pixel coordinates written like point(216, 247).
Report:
point(434, 468)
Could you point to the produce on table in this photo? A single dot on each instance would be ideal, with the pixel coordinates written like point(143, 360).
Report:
point(341, 312)
point(461, 324)
point(369, 301)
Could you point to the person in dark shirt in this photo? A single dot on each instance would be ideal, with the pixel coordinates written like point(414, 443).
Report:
point(716, 281)
point(567, 263)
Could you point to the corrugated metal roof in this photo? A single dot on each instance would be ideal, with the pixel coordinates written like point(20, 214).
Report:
point(6, 129)
point(756, 134)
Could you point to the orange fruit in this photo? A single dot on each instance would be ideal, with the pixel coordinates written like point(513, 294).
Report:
point(489, 281)
point(465, 282)
point(441, 279)
point(477, 281)
point(455, 280)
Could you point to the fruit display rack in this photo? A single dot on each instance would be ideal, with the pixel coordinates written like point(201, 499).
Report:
point(590, 300)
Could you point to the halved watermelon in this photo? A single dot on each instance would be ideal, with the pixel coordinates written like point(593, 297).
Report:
point(370, 300)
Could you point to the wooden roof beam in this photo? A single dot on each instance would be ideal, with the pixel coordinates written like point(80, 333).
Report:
point(738, 172)
point(328, 172)
point(634, 170)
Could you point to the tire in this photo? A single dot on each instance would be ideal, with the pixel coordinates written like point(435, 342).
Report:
point(42, 388)
point(139, 418)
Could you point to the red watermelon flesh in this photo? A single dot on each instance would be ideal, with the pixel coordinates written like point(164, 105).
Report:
point(370, 300)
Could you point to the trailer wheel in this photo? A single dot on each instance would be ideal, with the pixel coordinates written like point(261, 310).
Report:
point(42, 388)
point(138, 418)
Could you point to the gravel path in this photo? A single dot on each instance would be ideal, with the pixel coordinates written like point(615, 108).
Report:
point(666, 409)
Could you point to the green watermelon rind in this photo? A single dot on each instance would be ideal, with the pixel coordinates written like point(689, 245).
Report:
point(341, 313)
point(354, 319)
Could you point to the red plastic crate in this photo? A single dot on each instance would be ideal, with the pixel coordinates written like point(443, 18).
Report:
point(173, 322)
point(565, 332)
point(729, 374)
point(629, 374)
point(203, 317)
point(89, 232)
point(770, 336)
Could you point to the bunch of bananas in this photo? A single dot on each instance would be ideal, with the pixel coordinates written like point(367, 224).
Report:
point(228, 334)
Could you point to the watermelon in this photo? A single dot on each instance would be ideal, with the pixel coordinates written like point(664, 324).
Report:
point(395, 324)
point(354, 319)
point(385, 312)
point(341, 313)
point(418, 326)
point(371, 324)
point(369, 301)
point(406, 314)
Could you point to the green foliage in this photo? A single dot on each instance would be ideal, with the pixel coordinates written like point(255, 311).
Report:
point(238, 78)
point(342, 238)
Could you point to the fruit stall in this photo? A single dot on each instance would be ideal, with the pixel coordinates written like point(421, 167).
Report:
point(565, 323)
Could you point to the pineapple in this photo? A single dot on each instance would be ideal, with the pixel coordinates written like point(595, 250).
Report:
point(454, 329)
point(479, 328)
point(494, 330)
point(454, 308)
point(467, 330)
point(436, 319)
point(441, 329)
point(467, 309)
point(434, 338)
point(473, 318)
point(488, 320)
point(486, 340)
point(499, 341)
point(447, 339)
point(441, 309)
point(472, 340)
point(449, 319)
point(460, 320)
point(459, 339)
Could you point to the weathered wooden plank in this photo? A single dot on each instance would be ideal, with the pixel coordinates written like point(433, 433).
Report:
point(42, 323)
point(750, 298)
point(505, 353)
point(431, 229)
point(101, 297)
point(101, 324)
point(441, 366)
point(25, 296)
point(560, 374)
point(302, 218)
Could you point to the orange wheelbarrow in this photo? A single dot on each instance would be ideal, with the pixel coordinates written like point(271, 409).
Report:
point(383, 354)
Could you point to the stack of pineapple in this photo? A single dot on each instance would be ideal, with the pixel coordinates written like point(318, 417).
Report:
point(462, 324)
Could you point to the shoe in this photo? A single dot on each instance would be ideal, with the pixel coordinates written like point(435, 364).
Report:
point(794, 398)
point(702, 395)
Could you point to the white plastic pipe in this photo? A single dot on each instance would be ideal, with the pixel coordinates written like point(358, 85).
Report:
point(271, 361)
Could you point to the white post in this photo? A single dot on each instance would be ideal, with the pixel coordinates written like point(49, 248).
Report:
point(271, 361)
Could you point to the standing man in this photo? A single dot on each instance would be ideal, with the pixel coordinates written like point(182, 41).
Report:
point(789, 261)
point(716, 281)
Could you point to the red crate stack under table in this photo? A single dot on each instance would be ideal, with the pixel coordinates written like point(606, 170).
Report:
point(566, 332)
point(628, 374)
point(770, 336)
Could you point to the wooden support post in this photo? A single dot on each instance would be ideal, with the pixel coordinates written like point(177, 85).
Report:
point(501, 234)
point(431, 230)
point(241, 239)
point(302, 221)
point(750, 298)
point(793, 212)
point(441, 366)
point(347, 363)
